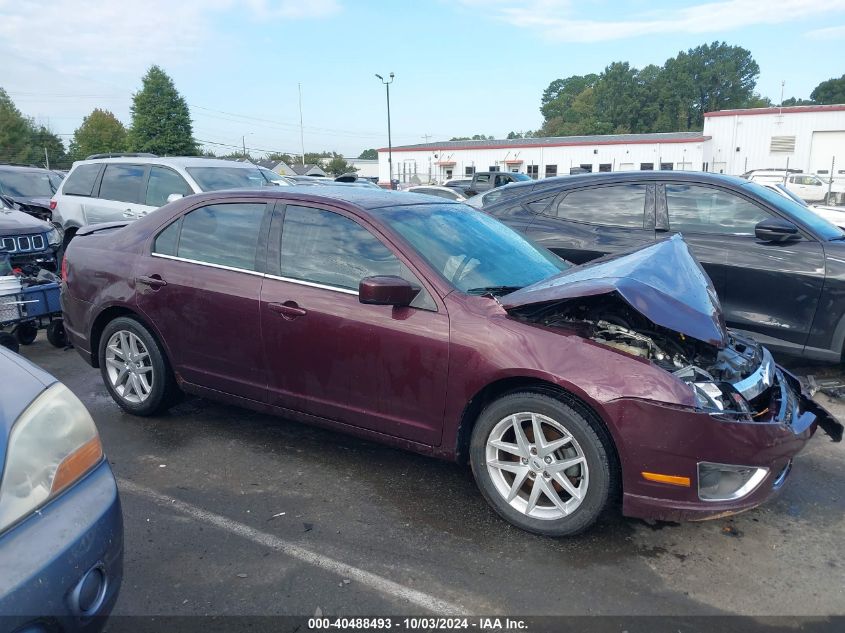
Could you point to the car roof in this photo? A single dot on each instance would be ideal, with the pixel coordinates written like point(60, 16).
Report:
point(22, 168)
point(366, 198)
point(575, 180)
point(173, 161)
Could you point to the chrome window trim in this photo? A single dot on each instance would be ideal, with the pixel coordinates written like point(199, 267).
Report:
point(312, 284)
point(209, 264)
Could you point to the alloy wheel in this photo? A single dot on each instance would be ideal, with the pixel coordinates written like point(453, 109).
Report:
point(129, 367)
point(537, 466)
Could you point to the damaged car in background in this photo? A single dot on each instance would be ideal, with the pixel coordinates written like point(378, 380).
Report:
point(431, 326)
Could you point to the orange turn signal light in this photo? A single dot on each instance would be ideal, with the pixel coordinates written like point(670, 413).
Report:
point(673, 480)
point(77, 464)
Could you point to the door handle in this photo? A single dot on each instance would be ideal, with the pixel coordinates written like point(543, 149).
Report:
point(153, 281)
point(288, 310)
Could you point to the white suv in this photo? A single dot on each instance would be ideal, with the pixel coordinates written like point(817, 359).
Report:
point(808, 187)
point(125, 188)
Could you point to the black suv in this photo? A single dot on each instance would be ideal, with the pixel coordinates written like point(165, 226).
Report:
point(779, 269)
point(29, 189)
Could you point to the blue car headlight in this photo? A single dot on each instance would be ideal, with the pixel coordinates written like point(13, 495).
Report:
point(53, 443)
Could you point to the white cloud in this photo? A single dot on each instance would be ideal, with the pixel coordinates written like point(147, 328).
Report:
point(561, 21)
point(86, 37)
point(828, 33)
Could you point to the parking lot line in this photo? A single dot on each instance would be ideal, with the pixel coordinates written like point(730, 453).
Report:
point(369, 579)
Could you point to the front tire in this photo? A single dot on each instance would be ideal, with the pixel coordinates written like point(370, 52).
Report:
point(541, 464)
point(135, 369)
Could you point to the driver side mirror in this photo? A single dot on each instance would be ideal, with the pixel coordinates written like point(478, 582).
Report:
point(386, 290)
point(776, 230)
point(173, 197)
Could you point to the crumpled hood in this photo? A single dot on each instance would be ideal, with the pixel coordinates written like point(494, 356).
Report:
point(661, 281)
point(13, 222)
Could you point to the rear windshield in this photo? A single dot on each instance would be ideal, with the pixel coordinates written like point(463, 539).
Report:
point(26, 184)
point(216, 178)
point(823, 229)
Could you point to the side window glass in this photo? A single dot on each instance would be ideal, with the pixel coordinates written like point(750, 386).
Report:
point(164, 182)
point(80, 182)
point(122, 183)
point(539, 206)
point(698, 209)
point(615, 205)
point(222, 234)
point(327, 248)
point(167, 241)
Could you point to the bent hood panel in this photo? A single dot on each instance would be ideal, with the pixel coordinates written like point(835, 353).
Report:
point(661, 281)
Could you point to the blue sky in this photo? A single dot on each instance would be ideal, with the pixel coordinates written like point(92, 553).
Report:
point(462, 67)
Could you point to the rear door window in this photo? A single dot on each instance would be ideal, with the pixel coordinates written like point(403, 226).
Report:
point(219, 234)
point(701, 209)
point(164, 182)
point(122, 183)
point(80, 182)
point(614, 205)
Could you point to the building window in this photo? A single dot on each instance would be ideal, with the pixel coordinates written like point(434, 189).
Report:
point(448, 173)
point(469, 171)
point(533, 171)
point(646, 166)
point(587, 167)
point(493, 168)
point(514, 170)
point(605, 167)
point(551, 171)
point(667, 166)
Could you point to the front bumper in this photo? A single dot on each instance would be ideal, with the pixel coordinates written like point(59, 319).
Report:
point(661, 438)
point(44, 559)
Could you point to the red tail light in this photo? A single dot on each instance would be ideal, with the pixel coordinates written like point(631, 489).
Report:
point(64, 267)
point(53, 205)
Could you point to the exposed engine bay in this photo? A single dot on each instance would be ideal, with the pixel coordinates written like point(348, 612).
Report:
point(734, 379)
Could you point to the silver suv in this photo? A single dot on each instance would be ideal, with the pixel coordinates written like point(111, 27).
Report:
point(125, 188)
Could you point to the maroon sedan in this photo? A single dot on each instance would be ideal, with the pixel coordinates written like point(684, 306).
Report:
point(431, 326)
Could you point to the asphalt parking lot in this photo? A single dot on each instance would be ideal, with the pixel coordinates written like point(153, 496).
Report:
point(231, 512)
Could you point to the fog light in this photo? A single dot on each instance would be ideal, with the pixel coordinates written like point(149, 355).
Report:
point(87, 598)
point(725, 482)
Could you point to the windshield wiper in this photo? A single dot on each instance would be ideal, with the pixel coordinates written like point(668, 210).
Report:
point(493, 290)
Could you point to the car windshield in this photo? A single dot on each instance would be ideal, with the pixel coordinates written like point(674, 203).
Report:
point(26, 184)
point(520, 177)
point(821, 227)
point(473, 251)
point(216, 178)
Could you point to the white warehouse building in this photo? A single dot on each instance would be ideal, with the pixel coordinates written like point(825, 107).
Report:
point(732, 142)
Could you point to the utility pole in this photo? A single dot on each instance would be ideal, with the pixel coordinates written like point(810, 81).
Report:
point(389, 140)
point(47, 158)
point(243, 141)
point(301, 130)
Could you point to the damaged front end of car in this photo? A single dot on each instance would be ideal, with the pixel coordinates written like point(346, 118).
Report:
point(657, 304)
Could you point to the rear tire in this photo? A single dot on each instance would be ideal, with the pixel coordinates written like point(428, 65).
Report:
point(557, 486)
point(9, 341)
point(56, 333)
point(134, 368)
point(26, 333)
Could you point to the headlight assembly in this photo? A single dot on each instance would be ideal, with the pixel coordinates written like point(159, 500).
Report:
point(54, 237)
point(52, 444)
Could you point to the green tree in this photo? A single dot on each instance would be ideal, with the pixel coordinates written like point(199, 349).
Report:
point(338, 166)
point(793, 101)
point(15, 132)
point(46, 147)
point(830, 91)
point(369, 154)
point(318, 158)
point(100, 132)
point(557, 99)
point(474, 137)
point(161, 122)
point(280, 157)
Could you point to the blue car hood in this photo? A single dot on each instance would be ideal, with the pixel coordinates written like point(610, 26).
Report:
point(661, 281)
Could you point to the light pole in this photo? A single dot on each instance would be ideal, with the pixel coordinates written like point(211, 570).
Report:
point(389, 141)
